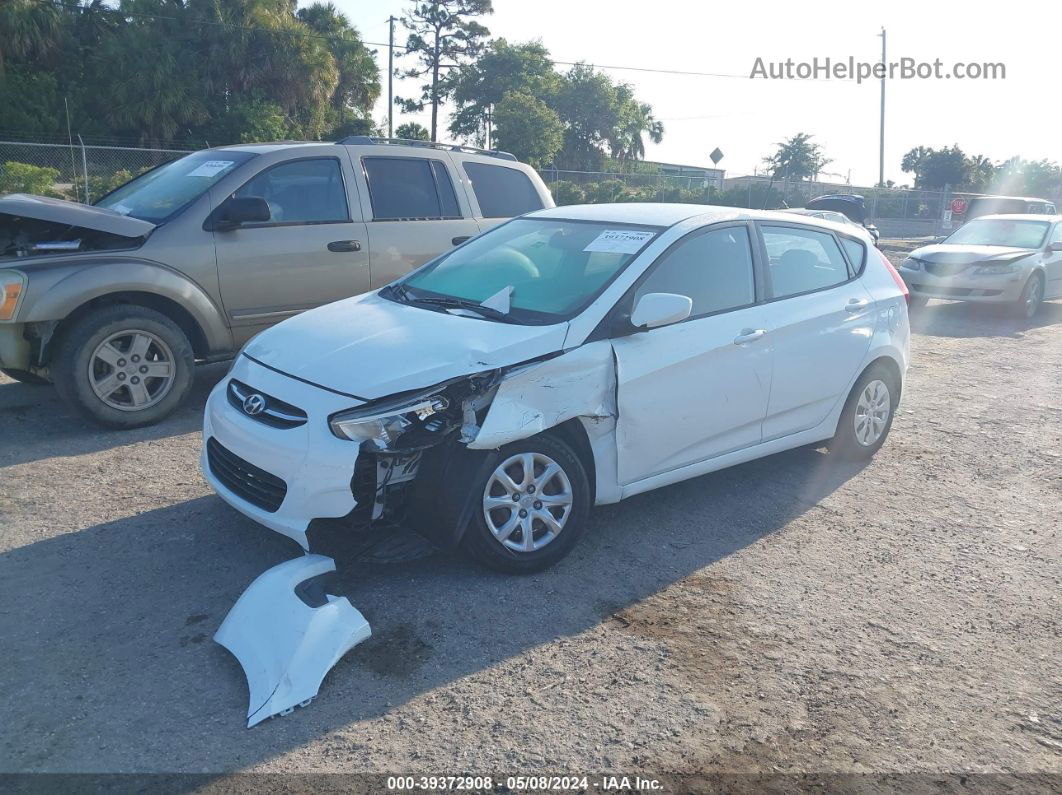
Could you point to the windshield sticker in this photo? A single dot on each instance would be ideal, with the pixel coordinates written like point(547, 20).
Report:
point(211, 168)
point(619, 241)
point(121, 209)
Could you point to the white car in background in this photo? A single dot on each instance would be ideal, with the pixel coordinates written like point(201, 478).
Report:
point(568, 358)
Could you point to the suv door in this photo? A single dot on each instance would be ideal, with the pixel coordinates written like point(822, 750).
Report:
point(821, 321)
point(699, 388)
point(414, 210)
point(311, 251)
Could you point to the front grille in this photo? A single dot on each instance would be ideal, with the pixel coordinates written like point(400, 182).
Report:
point(244, 479)
point(271, 411)
point(945, 268)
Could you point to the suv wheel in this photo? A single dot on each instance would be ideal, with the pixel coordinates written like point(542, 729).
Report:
point(124, 366)
point(532, 508)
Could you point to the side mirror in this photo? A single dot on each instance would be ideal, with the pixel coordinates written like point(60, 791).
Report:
point(242, 210)
point(1055, 245)
point(660, 309)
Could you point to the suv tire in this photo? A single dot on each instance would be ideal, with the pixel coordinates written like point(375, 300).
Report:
point(124, 366)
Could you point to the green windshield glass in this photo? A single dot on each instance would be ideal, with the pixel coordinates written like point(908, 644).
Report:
point(553, 267)
point(1000, 232)
point(165, 191)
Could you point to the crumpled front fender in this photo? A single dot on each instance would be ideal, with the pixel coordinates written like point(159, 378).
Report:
point(287, 633)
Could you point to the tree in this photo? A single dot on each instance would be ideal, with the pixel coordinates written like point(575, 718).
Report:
point(796, 158)
point(441, 36)
point(636, 120)
point(980, 173)
point(476, 88)
point(29, 30)
point(412, 131)
point(588, 104)
point(935, 168)
point(529, 128)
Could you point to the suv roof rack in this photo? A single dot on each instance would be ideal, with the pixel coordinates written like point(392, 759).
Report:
point(363, 140)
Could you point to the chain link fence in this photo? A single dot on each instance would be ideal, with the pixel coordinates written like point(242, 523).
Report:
point(86, 172)
point(79, 173)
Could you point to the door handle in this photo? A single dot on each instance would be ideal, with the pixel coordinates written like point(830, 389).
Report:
point(345, 245)
point(457, 241)
point(749, 335)
point(856, 305)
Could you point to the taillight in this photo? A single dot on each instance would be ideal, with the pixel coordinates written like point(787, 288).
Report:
point(896, 277)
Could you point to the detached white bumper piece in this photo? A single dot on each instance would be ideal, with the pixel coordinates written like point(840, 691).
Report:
point(287, 633)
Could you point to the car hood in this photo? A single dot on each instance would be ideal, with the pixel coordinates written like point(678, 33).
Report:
point(953, 254)
point(370, 347)
point(60, 211)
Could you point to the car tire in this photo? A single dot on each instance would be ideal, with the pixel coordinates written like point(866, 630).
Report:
point(863, 426)
point(491, 514)
point(143, 354)
point(1032, 295)
point(24, 377)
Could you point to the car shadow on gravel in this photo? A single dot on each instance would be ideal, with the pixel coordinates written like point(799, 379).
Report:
point(110, 666)
point(965, 320)
point(39, 425)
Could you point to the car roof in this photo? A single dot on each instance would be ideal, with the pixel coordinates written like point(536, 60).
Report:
point(663, 214)
point(263, 148)
point(1017, 217)
point(1011, 198)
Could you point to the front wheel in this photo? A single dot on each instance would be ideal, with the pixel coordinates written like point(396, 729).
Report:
point(532, 507)
point(124, 366)
point(1031, 297)
point(867, 416)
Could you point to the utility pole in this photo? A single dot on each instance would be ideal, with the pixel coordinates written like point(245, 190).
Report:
point(391, 78)
point(881, 145)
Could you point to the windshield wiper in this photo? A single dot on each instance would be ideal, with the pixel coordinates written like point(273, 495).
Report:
point(462, 303)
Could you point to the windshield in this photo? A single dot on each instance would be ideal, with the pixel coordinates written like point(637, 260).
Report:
point(166, 190)
point(1000, 232)
point(550, 268)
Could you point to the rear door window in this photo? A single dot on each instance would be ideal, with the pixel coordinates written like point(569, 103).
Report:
point(502, 192)
point(803, 260)
point(409, 188)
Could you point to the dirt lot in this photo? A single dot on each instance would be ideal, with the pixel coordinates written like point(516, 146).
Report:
point(792, 614)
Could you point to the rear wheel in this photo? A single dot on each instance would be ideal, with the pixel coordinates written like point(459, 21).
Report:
point(533, 507)
point(1031, 297)
point(867, 416)
point(124, 366)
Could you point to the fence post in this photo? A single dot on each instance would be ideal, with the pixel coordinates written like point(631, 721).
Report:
point(84, 167)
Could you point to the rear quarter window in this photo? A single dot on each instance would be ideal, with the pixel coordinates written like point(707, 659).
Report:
point(856, 251)
point(502, 192)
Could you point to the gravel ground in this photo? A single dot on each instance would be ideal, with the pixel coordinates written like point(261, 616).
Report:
point(792, 614)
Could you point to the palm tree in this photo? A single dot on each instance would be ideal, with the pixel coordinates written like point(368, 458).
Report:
point(981, 172)
point(28, 29)
point(637, 121)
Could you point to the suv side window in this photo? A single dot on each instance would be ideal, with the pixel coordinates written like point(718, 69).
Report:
point(1056, 236)
point(410, 188)
point(502, 192)
point(803, 260)
point(307, 191)
point(713, 268)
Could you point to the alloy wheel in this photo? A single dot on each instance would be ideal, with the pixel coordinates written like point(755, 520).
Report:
point(131, 370)
point(527, 501)
point(872, 412)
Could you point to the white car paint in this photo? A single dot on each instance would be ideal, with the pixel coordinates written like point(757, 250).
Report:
point(285, 645)
point(738, 391)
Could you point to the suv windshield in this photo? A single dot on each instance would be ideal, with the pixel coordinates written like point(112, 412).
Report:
point(163, 192)
point(1000, 232)
point(551, 268)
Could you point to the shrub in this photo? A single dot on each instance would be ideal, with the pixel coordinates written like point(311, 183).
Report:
point(565, 192)
point(18, 177)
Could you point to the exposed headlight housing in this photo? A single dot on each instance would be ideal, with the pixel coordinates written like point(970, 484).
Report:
point(912, 264)
point(12, 286)
point(381, 424)
point(1000, 267)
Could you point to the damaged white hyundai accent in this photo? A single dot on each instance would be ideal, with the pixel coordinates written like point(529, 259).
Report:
point(568, 358)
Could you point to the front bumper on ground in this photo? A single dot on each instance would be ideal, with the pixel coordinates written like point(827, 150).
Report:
point(314, 466)
point(985, 288)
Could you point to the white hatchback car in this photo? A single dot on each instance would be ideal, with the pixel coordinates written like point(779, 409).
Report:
point(571, 357)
